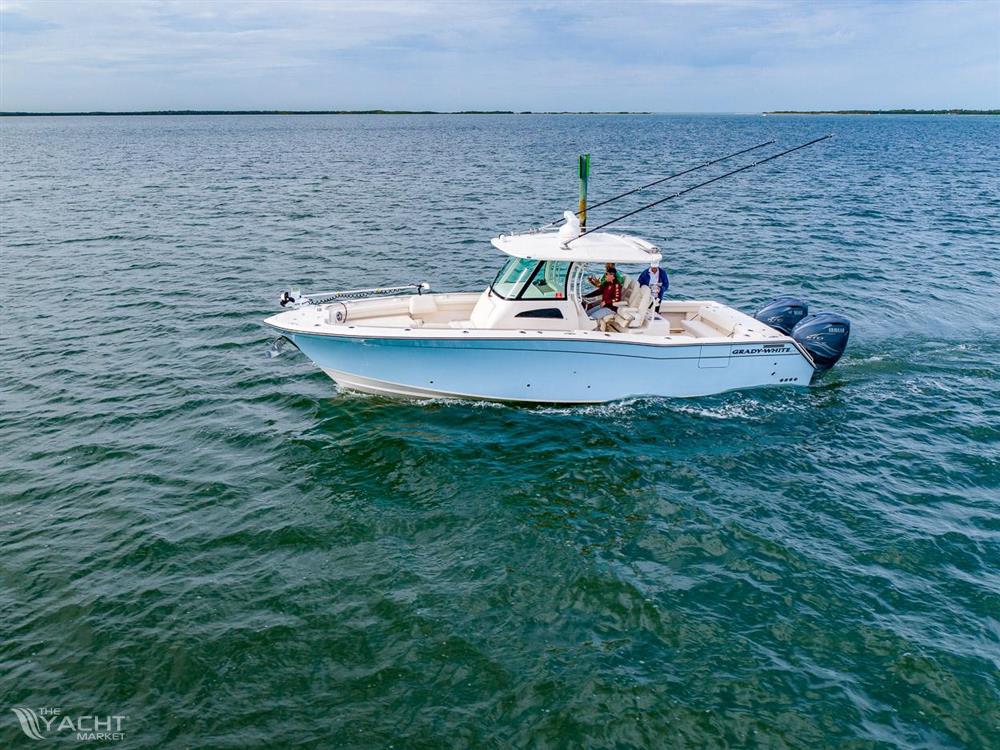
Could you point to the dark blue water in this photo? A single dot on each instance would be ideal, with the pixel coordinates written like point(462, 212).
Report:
point(231, 554)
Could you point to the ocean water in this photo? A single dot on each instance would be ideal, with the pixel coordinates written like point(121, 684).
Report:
point(230, 553)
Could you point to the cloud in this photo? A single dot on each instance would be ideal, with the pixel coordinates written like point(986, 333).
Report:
point(663, 56)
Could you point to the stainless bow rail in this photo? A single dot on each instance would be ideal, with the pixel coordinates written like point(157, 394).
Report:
point(294, 298)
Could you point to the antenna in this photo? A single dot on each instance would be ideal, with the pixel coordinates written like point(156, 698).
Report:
point(702, 184)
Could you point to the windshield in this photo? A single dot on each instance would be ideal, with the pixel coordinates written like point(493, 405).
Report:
point(547, 279)
point(549, 282)
point(512, 276)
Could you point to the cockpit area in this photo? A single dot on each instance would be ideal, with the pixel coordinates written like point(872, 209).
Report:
point(547, 285)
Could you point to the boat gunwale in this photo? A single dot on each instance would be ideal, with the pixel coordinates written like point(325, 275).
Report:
point(359, 330)
point(372, 332)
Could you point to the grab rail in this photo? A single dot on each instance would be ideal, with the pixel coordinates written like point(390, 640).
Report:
point(294, 298)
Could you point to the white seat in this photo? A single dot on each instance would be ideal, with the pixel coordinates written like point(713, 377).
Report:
point(699, 329)
point(633, 315)
point(726, 323)
point(422, 306)
point(630, 293)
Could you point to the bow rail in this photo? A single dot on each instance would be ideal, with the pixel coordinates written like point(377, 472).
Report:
point(295, 298)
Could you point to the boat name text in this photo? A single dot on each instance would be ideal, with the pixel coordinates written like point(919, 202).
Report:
point(766, 349)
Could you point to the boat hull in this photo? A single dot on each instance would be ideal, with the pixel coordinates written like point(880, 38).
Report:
point(548, 370)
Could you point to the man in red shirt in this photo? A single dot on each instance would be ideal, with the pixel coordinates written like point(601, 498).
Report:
point(592, 298)
point(611, 292)
point(598, 280)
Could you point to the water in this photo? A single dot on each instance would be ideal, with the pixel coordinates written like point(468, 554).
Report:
point(225, 550)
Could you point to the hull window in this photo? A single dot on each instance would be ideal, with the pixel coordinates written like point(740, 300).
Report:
point(542, 312)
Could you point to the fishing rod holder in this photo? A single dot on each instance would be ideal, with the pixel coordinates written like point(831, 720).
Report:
point(294, 298)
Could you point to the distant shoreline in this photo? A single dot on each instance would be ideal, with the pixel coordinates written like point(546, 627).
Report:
point(887, 112)
point(203, 112)
point(189, 112)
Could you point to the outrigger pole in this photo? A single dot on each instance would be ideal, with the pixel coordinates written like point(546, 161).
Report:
point(584, 180)
point(582, 213)
point(701, 184)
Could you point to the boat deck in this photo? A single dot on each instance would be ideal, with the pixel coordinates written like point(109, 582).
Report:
point(439, 315)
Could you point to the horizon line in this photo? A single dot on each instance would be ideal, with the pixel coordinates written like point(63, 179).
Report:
point(214, 112)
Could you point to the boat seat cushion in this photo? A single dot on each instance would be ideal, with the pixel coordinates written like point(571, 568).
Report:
point(631, 292)
point(422, 305)
point(643, 304)
point(633, 316)
point(718, 318)
point(629, 287)
point(699, 329)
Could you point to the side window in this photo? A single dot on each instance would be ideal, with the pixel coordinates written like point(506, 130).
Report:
point(549, 282)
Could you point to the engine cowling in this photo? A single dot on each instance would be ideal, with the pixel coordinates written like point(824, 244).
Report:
point(783, 313)
point(824, 335)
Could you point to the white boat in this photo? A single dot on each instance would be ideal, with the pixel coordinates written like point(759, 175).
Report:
point(528, 336)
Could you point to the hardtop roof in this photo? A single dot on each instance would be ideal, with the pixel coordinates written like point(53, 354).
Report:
point(599, 247)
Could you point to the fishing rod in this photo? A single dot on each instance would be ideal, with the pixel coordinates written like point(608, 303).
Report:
point(701, 184)
point(559, 222)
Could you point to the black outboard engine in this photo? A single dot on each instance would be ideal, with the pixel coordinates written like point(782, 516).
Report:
point(824, 335)
point(783, 313)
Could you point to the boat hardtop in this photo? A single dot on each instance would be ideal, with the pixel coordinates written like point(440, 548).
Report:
point(597, 247)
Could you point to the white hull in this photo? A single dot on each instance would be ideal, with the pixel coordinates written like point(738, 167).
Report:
point(428, 347)
point(546, 367)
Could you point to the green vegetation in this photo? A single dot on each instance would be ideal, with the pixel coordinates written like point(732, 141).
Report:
point(888, 112)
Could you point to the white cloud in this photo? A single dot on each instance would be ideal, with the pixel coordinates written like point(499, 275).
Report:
point(454, 55)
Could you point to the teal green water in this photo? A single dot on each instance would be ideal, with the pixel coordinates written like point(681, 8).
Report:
point(231, 554)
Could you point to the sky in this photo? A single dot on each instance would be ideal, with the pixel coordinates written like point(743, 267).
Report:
point(661, 56)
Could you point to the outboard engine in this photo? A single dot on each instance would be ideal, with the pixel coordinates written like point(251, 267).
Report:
point(824, 335)
point(783, 313)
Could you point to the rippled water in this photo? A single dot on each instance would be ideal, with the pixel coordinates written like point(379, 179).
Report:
point(232, 554)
